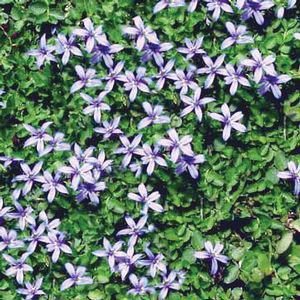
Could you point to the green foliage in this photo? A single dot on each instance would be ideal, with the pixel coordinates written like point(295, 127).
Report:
point(238, 199)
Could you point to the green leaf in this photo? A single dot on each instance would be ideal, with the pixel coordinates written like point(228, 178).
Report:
point(280, 160)
point(95, 295)
point(56, 14)
point(176, 121)
point(188, 255)
point(3, 18)
point(38, 7)
point(233, 273)
point(274, 291)
point(285, 242)
point(237, 293)
point(103, 278)
point(257, 275)
point(271, 41)
point(292, 107)
point(294, 257)
point(271, 176)
point(264, 264)
point(197, 240)
point(171, 234)
point(238, 253)
point(296, 225)
point(254, 154)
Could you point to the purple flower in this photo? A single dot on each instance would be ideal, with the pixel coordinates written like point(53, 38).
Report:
point(127, 261)
point(9, 239)
point(154, 262)
point(38, 136)
point(177, 145)
point(56, 144)
point(140, 33)
point(217, 6)
point(83, 156)
point(32, 290)
point(290, 5)
point(192, 47)
point(110, 252)
point(16, 194)
point(77, 172)
point(95, 105)
point(113, 76)
point(195, 104)
point(140, 286)
point(237, 35)
point(155, 50)
point(109, 129)
point(136, 168)
point(189, 163)
point(55, 244)
point(86, 79)
point(151, 158)
point(66, 47)
point(35, 237)
point(90, 190)
point(271, 82)
point(213, 254)
point(212, 69)
point(133, 83)
point(293, 174)
point(3, 210)
point(135, 230)
point(149, 201)
point(100, 165)
point(17, 267)
point(104, 50)
point(24, 215)
point(9, 160)
point(183, 81)
point(254, 8)
point(90, 34)
point(181, 274)
point(229, 121)
point(169, 282)
point(164, 73)
point(44, 53)
point(52, 185)
point(260, 64)
point(76, 277)
point(234, 77)
point(50, 226)
point(154, 115)
point(192, 6)
point(166, 4)
point(129, 148)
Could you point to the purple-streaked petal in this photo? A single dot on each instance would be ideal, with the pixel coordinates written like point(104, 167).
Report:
point(226, 132)
point(67, 284)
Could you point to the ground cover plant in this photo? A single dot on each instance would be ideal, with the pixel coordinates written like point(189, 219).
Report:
point(149, 149)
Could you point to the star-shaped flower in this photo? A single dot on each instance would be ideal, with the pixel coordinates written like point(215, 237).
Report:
point(76, 277)
point(212, 253)
point(229, 121)
point(149, 201)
